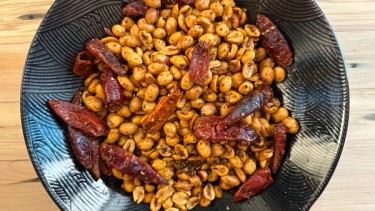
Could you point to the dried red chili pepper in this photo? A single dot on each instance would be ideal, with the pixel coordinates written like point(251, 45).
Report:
point(85, 147)
point(199, 62)
point(113, 96)
point(135, 8)
point(95, 170)
point(248, 104)
point(205, 128)
point(104, 167)
point(80, 142)
point(159, 115)
point(260, 180)
point(180, 2)
point(279, 138)
point(96, 48)
point(79, 118)
point(84, 65)
point(273, 41)
point(127, 163)
point(86, 150)
point(81, 146)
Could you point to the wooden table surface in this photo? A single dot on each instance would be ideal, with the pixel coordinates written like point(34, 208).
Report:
point(351, 187)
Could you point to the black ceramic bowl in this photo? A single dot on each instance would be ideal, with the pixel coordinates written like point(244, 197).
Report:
point(315, 92)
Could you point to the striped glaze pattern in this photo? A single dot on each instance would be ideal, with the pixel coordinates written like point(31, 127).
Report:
point(316, 92)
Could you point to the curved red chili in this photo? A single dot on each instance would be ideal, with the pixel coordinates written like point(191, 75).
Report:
point(260, 180)
point(96, 48)
point(205, 128)
point(200, 61)
point(248, 104)
point(79, 118)
point(84, 65)
point(127, 163)
point(113, 96)
point(279, 138)
point(273, 41)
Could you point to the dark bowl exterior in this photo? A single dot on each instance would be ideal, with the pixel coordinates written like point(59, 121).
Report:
point(316, 93)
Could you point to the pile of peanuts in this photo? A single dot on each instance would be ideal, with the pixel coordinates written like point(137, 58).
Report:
point(155, 50)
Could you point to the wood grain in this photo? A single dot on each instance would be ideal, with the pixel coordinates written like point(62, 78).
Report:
point(351, 187)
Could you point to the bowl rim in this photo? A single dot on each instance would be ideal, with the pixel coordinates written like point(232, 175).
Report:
point(307, 206)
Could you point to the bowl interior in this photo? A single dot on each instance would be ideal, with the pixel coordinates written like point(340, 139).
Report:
point(315, 92)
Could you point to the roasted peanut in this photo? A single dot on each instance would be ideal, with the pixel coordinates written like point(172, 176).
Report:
point(220, 170)
point(183, 186)
point(210, 39)
point(93, 103)
point(208, 109)
point(267, 74)
point(197, 103)
point(222, 29)
point(143, 25)
point(147, 107)
point(280, 114)
point(153, 3)
point(196, 31)
point(249, 166)
point(181, 22)
point(291, 125)
point(225, 84)
point(146, 39)
point(114, 120)
point(133, 59)
point(165, 78)
point(175, 37)
point(208, 192)
point(202, 4)
point(232, 97)
point(234, 37)
point(171, 25)
point(130, 41)
point(260, 54)
point(113, 135)
point(236, 162)
point(245, 88)
point(181, 151)
point(125, 83)
point(169, 50)
point(279, 74)
point(225, 108)
point(192, 202)
point(138, 194)
point(195, 181)
point(227, 12)
point(179, 61)
point(185, 42)
point(180, 198)
point(203, 148)
point(128, 186)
